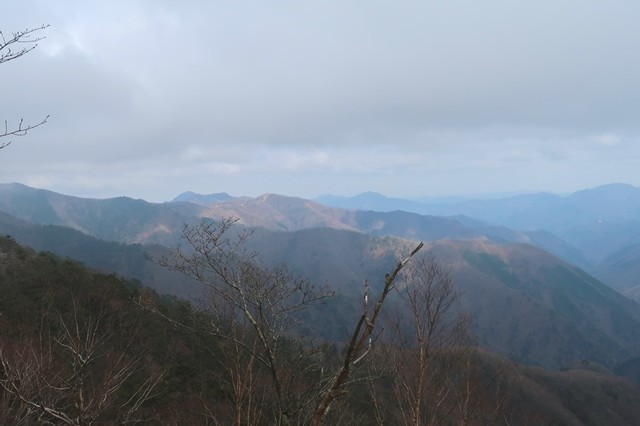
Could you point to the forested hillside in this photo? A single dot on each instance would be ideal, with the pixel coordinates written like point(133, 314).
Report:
point(77, 345)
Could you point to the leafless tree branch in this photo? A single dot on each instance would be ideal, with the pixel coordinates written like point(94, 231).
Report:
point(21, 130)
point(27, 40)
point(13, 47)
point(253, 308)
point(358, 347)
point(54, 378)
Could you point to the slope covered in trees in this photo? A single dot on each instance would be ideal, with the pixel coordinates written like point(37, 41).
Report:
point(543, 311)
point(61, 322)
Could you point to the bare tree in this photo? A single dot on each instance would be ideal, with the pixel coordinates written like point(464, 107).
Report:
point(428, 340)
point(360, 345)
point(432, 368)
point(253, 311)
point(237, 356)
point(70, 376)
point(13, 47)
point(23, 364)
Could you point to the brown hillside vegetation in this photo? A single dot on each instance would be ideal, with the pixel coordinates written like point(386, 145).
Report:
point(172, 374)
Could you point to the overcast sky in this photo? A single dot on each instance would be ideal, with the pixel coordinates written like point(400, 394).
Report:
point(413, 98)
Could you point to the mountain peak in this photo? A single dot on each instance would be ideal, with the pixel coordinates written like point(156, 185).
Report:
point(202, 199)
point(370, 194)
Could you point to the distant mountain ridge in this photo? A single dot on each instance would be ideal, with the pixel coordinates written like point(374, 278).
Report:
point(279, 212)
point(596, 222)
point(136, 221)
point(119, 219)
point(607, 203)
point(370, 201)
point(526, 303)
point(142, 222)
point(588, 228)
point(202, 199)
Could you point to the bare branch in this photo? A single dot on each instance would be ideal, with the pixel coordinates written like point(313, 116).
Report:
point(21, 130)
point(57, 379)
point(357, 349)
point(19, 38)
point(13, 47)
point(254, 310)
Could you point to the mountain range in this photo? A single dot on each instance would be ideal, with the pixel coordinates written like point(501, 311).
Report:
point(528, 287)
point(599, 211)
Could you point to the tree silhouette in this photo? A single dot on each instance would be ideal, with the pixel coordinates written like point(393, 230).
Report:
point(13, 47)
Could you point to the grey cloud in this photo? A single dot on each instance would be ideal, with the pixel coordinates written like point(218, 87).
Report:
point(458, 85)
point(282, 75)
